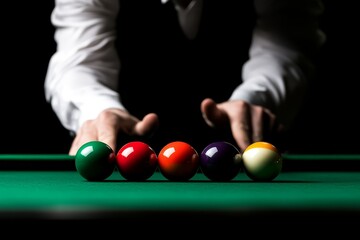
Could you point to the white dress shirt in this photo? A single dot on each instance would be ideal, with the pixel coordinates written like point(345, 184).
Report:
point(82, 76)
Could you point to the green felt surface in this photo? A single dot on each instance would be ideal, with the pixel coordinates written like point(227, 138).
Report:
point(317, 188)
point(66, 190)
point(66, 157)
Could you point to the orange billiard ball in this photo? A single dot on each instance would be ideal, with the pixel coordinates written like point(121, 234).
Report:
point(136, 161)
point(178, 161)
point(262, 161)
point(95, 161)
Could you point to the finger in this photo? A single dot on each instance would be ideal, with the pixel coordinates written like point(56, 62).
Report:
point(147, 126)
point(241, 134)
point(272, 122)
point(85, 134)
point(241, 127)
point(107, 125)
point(113, 121)
point(107, 133)
point(213, 115)
point(258, 119)
point(74, 147)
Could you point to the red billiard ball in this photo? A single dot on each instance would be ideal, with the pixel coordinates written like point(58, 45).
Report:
point(178, 161)
point(262, 161)
point(220, 161)
point(136, 161)
point(95, 161)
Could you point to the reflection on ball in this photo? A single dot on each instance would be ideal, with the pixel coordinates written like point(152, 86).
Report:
point(95, 161)
point(262, 161)
point(178, 161)
point(219, 161)
point(136, 161)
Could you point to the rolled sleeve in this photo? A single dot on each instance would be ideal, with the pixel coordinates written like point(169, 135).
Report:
point(280, 64)
point(82, 76)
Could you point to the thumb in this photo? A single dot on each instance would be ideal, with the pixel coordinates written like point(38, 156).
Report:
point(212, 114)
point(148, 125)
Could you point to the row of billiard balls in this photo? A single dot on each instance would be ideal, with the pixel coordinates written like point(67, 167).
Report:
point(178, 161)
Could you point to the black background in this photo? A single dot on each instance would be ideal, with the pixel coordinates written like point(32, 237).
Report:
point(329, 122)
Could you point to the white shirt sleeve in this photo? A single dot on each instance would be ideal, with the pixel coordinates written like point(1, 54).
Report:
point(82, 76)
point(276, 74)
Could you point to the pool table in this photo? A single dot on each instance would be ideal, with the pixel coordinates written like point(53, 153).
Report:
point(314, 188)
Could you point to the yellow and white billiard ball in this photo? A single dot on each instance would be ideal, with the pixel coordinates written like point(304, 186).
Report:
point(262, 161)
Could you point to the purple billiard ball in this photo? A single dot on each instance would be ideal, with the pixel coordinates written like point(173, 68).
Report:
point(220, 161)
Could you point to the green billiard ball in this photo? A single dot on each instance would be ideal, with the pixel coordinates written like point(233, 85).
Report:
point(95, 161)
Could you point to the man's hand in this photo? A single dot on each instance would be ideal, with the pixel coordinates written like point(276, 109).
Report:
point(109, 123)
point(248, 123)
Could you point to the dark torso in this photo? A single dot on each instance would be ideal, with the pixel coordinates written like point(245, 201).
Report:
point(164, 72)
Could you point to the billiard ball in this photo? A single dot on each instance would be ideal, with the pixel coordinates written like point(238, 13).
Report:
point(136, 161)
point(262, 161)
point(220, 161)
point(178, 161)
point(95, 161)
